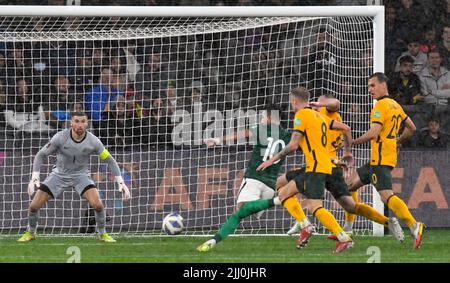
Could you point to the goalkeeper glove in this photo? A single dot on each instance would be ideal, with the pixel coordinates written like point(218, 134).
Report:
point(33, 183)
point(123, 188)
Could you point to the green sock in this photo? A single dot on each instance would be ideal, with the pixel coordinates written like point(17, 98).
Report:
point(247, 209)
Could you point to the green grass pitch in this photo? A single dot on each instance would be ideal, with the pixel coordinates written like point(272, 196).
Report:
point(254, 249)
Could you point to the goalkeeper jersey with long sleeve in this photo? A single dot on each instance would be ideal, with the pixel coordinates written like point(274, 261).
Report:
point(73, 157)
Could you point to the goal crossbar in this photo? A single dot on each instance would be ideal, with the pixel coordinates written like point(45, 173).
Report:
point(189, 11)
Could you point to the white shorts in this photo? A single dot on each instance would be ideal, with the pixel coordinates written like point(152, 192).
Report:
point(252, 189)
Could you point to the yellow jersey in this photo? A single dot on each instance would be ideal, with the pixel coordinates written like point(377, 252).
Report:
point(335, 138)
point(314, 128)
point(390, 115)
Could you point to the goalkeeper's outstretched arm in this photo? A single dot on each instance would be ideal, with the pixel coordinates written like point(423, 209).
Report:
point(112, 164)
point(114, 168)
point(50, 148)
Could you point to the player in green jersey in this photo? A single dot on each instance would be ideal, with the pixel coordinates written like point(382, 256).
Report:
point(269, 139)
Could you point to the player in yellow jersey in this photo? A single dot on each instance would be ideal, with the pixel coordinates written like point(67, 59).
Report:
point(310, 133)
point(328, 106)
point(386, 118)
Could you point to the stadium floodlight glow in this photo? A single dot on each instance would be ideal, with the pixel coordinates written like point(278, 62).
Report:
point(238, 57)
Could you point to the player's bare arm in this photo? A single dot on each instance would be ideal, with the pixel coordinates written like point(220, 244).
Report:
point(290, 147)
point(331, 104)
point(246, 134)
point(409, 130)
point(372, 133)
point(348, 140)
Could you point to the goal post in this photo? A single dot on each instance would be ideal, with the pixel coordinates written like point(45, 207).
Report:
point(235, 58)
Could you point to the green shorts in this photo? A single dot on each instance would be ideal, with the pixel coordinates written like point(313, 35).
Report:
point(377, 175)
point(334, 183)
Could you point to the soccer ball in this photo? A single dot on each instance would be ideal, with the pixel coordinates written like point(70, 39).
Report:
point(173, 224)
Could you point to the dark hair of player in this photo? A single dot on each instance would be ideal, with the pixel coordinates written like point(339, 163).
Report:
point(381, 77)
point(301, 93)
point(78, 114)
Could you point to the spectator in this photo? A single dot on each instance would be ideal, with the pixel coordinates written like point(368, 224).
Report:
point(429, 40)
point(121, 128)
point(17, 65)
point(78, 106)
point(394, 39)
point(444, 47)
point(98, 57)
point(101, 97)
point(61, 103)
point(443, 15)
point(160, 123)
point(245, 3)
point(84, 75)
point(3, 100)
point(2, 66)
point(231, 98)
point(435, 80)
point(98, 60)
point(317, 63)
point(195, 95)
point(171, 94)
point(120, 72)
point(405, 85)
point(409, 16)
point(432, 137)
point(53, 54)
point(420, 58)
point(149, 78)
point(22, 113)
point(132, 65)
point(349, 2)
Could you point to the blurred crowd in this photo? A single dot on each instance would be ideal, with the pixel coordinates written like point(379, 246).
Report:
point(132, 88)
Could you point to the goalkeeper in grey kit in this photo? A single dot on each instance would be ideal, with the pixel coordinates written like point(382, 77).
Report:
point(73, 148)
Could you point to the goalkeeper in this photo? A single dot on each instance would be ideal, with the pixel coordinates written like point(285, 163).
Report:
point(73, 148)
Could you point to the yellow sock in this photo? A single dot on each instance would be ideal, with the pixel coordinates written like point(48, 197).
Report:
point(327, 219)
point(370, 213)
point(350, 217)
point(294, 207)
point(401, 210)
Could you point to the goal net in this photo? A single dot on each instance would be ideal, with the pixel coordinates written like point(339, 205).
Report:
point(154, 88)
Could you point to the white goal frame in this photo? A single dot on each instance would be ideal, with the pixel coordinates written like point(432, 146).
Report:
point(377, 12)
